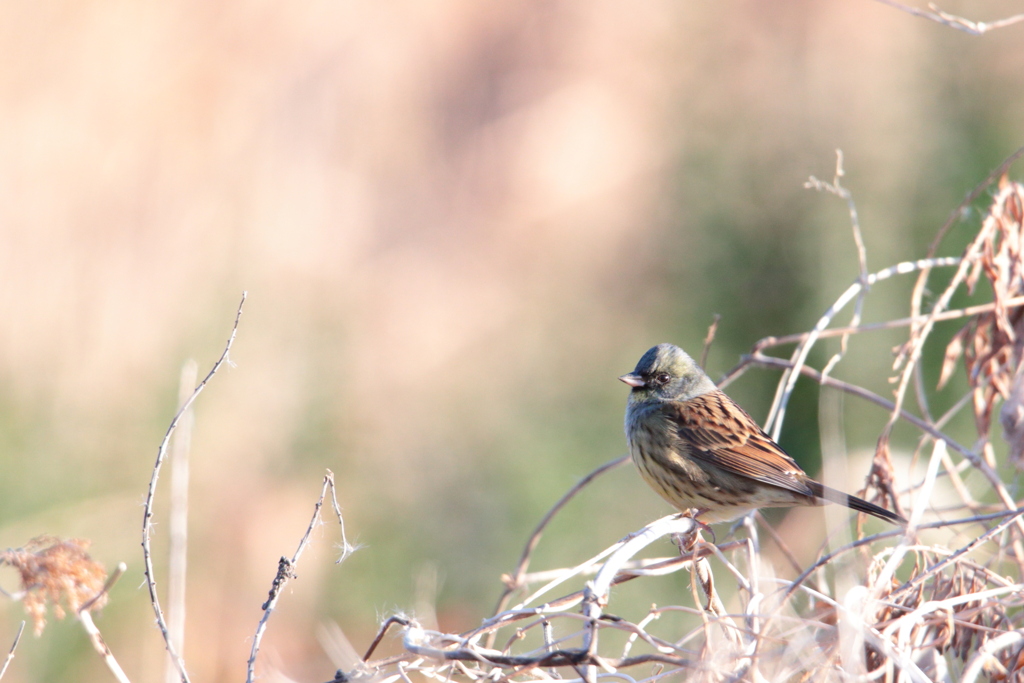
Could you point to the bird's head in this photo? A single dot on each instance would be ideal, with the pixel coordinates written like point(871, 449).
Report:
point(667, 373)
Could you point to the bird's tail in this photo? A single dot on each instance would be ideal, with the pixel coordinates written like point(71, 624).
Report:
point(855, 503)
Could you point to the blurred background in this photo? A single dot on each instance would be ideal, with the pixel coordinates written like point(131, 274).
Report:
point(458, 223)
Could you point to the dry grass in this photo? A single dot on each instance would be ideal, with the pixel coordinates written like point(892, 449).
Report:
point(940, 600)
point(56, 572)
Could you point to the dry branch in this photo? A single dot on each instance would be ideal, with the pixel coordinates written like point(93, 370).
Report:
point(945, 594)
point(933, 13)
point(10, 653)
point(147, 517)
point(286, 568)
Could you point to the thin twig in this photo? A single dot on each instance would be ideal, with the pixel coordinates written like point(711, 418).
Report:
point(915, 345)
point(975, 28)
point(418, 641)
point(912, 350)
point(768, 342)
point(777, 413)
point(709, 339)
point(1011, 517)
point(115, 575)
point(836, 188)
point(975, 459)
point(388, 623)
point(596, 593)
point(10, 653)
point(1005, 516)
point(286, 572)
point(917, 294)
point(98, 644)
point(147, 517)
point(986, 653)
point(931, 430)
point(515, 581)
point(95, 637)
point(568, 601)
point(779, 542)
point(346, 548)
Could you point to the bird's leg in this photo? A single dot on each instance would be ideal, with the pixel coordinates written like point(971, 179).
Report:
point(701, 526)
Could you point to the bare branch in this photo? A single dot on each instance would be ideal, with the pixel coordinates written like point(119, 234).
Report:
point(10, 653)
point(98, 644)
point(975, 28)
point(147, 518)
point(712, 328)
point(286, 570)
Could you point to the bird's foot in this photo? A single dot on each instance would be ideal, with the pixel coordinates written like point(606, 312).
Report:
point(687, 542)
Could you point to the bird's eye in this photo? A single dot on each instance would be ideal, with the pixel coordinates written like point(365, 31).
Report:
point(662, 378)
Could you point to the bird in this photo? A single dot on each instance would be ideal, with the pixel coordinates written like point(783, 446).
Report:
point(705, 455)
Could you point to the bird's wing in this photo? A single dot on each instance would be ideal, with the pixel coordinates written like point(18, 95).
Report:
point(716, 431)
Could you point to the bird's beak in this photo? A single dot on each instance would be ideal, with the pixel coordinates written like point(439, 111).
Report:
point(633, 380)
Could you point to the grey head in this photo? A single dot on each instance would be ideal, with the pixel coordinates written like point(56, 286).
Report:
point(667, 373)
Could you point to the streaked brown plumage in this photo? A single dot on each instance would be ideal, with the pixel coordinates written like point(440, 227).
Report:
point(700, 451)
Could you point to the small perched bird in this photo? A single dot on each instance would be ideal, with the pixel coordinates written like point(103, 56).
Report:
point(700, 451)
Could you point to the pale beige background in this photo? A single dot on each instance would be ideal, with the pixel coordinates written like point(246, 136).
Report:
point(457, 222)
